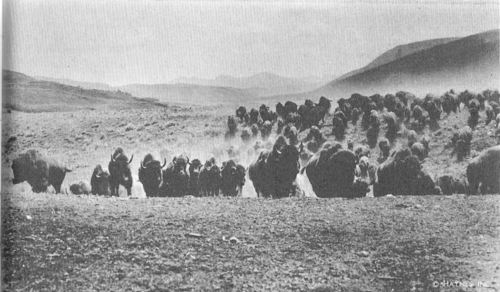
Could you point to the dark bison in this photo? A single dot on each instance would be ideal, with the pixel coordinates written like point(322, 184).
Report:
point(119, 172)
point(99, 182)
point(175, 178)
point(241, 113)
point(331, 173)
point(38, 171)
point(150, 175)
point(451, 185)
point(483, 172)
point(232, 178)
point(194, 177)
point(461, 142)
point(81, 188)
point(401, 174)
point(210, 178)
point(274, 171)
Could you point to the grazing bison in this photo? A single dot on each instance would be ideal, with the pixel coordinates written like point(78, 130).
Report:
point(274, 171)
point(290, 107)
point(241, 113)
point(38, 171)
point(450, 185)
point(150, 175)
point(253, 116)
point(210, 178)
point(361, 151)
point(419, 150)
point(194, 177)
point(99, 182)
point(331, 173)
point(280, 110)
point(175, 178)
point(385, 149)
point(290, 132)
point(483, 172)
point(338, 128)
point(245, 135)
point(81, 188)
point(461, 142)
point(266, 129)
point(232, 126)
point(392, 126)
point(119, 171)
point(232, 178)
point(401, 174)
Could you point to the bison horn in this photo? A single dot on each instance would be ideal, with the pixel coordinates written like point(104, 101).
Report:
point(142, 165)
point(164, 162)
point(112, 158)
point(132, 157)
point(67, 169)
point(98, 175)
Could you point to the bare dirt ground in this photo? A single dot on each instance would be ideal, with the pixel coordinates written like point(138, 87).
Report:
point(79, 243)
point(68, 243)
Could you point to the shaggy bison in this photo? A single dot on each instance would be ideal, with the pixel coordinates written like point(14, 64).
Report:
point(210, 178)
point(483, 172)
point(150, 175)
point(194, 177)
point(99, 182)
point(119, 171)
point(274, 171)
point(232, 178)
point(81, 188)
point(175, 178)
point(331, 173)
point(401, 174)
point(38, 171)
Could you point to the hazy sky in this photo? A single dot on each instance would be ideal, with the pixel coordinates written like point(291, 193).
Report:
point(119, 42)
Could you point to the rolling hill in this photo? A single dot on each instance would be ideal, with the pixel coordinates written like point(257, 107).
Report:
point(467, 63)
point(24, 93)
point(397, 53)
point(190, 93)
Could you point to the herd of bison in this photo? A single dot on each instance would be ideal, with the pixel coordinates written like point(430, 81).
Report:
point(329, 168)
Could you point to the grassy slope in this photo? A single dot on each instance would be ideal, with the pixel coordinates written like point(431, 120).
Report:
point(398, 52)
point(25, 93)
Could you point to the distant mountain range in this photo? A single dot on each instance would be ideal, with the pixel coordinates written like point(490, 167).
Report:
point(434, 65)
point(261, 84)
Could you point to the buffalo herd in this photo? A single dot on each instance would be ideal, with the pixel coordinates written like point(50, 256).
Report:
point(329, 168)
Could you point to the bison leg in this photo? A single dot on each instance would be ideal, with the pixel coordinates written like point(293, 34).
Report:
point(57, 187)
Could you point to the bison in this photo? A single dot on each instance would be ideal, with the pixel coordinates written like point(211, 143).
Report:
point(232, 178)
point(274, 171)
point(401, 174)
point(150, 175)
point(331, 173)
point(483, 172)
point(210, 178)
point(81, 188)
point(99, 182)
point(119, 171)
point(38, 171)
point(175, 178)
point(194, 177)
